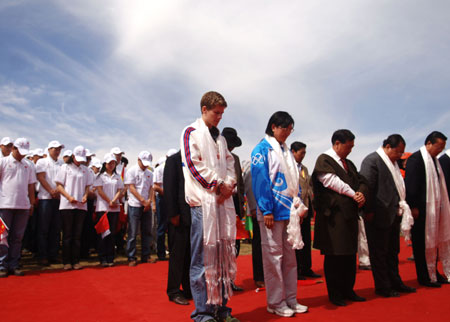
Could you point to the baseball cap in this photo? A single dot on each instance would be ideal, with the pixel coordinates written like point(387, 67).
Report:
point(55, 144)
point(67, 153)
point(89, 153)
point(6, 140)
point(171, 152)
point(23, 145)
point(95, 162)
point(116, 150)
point(79, 153)
point(38, 152)
point(146, 158)
point(109, 157)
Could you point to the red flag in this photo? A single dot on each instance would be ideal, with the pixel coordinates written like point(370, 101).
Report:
point(3, 233)
point(102, 227)
point(3, 226)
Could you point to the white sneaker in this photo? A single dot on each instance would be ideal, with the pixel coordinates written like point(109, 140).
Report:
point(298, 308)
point(281, 311)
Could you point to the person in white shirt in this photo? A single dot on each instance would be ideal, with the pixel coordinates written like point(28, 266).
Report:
point(139, 181)
point(109, 187)
point(6, 145)
point(120, 168)
point(67, 156)
point(16, 203)
point(73, 181)
point(49, 219)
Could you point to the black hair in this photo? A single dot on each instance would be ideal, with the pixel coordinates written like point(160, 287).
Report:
point(124, 160)
point(342, 136)
point(295, 146)
point(103, 169)
point(394, 140)
point(434, 136)
point(279, 119)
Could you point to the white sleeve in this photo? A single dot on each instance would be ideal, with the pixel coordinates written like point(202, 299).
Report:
point(41, 166)
point(333, 182)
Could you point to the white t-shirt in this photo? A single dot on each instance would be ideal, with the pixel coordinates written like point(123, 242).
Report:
point(75, 180)
point(51, 168)
point(15, 177)
point(142, 180)
point(110, 186)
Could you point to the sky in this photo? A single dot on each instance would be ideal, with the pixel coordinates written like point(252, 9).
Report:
point(105, 73)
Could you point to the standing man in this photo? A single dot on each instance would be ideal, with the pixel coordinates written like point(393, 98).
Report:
point(49, 220)
point(6, 145)
point(17, 180)
point(426, 194)
point(445, 164)
point(339, 190)
point(139, 181)
point(303, 255)
point(210, 179)
point(383, 214)
point(179, 215)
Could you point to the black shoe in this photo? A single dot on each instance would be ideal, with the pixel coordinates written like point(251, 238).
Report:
point(301, 278)
point(405, 289)
point(441, 279)
point(179, 299)
point(338, 302)
point(310, 273)
point(163, 258)
point(387, 293)
point(236, 288)
point(16, 272)
point(365, 267)
point(430, 284)
point(3, 273)
point(43, 262)
point(356, 298)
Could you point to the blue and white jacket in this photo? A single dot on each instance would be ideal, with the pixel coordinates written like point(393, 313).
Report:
point(269, 182)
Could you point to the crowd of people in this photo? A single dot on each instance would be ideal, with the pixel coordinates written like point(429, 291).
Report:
point(201, 191)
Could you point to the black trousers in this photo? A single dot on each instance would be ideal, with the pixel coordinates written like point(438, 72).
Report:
point(179, 261)
point(384, 247)
point(105, 246)
point(340, 275)
point(418, 243)
point(72, 222)
point(303, 255)
point(258, 271)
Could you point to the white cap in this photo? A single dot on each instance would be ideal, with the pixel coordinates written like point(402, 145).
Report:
point(6, 140)
point(23, 145)
point(89, 153)
point(38, 152)
point(79, 153)
point(67, 153)
point(95, 162)
point(146, 158)
point(171, 152)
point(116, 150)
point(55, 144)
point(160, 160)
point(109, 157)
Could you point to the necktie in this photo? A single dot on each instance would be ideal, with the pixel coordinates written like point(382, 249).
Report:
point(344, 163)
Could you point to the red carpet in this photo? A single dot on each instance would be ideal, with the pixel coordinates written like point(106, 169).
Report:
point(125, 293)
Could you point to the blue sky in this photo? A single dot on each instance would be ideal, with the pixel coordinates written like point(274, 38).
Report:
point(131, 73)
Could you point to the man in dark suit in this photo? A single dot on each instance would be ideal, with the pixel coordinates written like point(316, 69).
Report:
point(303, 255)
point(179, 215)
point(445, 164)
point(339, 190)
point(383, 215)
point(416, 196)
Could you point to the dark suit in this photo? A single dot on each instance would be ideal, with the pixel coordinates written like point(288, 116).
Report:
point(180, 252)
point(303, 255)
point(383, 230)
point(336, 227)
point(445, 164)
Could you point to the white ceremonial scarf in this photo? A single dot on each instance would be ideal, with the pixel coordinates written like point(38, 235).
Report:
point(448, 152)
point(219, 223)
point(290, 170)
point(405, 211)
point(437, 229)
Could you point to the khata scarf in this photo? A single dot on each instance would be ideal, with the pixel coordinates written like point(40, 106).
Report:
point(289, 167)
point(219, 223)
point(407, 220)
point(437, 234)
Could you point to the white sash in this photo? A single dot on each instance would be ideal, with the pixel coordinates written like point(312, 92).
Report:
point(407, 220)
point(437, 229)
point(290, 170)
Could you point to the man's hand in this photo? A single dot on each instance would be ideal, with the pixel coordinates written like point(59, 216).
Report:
point(415, 213)
point(268, 221)
point(360, 199)
point(175, 220)
point(72, 199)
point(84, 199)
point(54, 193)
